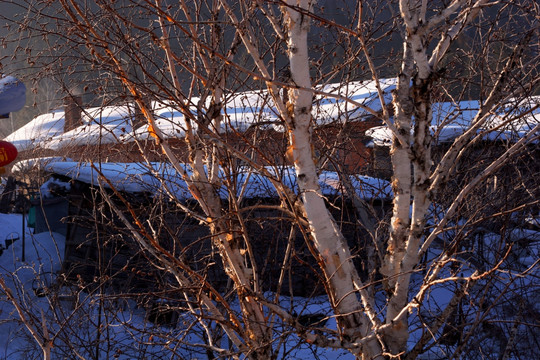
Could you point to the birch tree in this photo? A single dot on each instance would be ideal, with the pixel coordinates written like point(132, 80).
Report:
point(194, 57)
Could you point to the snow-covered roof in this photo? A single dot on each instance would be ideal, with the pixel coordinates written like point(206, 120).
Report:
point(156, 177)
point(42, 128)
point(450, 120)
point(169, 120)
point(102, 125)
point(328, 109)
point(27, 164)
point(244, 109)
point(111, 124)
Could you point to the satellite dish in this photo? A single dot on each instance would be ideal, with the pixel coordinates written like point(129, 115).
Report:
point(12, 95)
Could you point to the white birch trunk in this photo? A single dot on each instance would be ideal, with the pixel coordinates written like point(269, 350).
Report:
point(412, 165)
point(411, 173)
point(400, 222)
point(355, 318)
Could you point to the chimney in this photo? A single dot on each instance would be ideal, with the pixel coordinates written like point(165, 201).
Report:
point(73, 112)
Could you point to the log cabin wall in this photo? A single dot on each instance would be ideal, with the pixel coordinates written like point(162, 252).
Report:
point(98, 245)
point(337, 147)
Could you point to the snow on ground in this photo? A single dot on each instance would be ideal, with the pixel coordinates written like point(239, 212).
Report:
point(127, 327)
point(126, 322)
point(43, 255)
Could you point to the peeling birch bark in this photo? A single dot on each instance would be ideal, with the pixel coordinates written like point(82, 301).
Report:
point(412, 177)
point(339, 270)
point(397, 335)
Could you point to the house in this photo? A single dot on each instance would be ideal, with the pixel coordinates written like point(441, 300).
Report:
point(110, 136)
point(111, 132)
point(451, 119)
point(503, 193)
point(65, 142)
point(98, 243)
